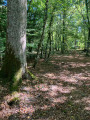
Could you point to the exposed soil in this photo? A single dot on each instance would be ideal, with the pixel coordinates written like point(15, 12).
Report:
point(61, 91)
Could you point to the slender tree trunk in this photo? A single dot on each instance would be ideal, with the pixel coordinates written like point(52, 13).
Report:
point(52, 43)
point(41, 56)
point(50, 47)
point(56, 39)
point(85, 43)
point(42, 35)
point(14, 66)
point(88, 19)
point(58, 42)
point(49, 34)
point(88, 42)
point(63, 41)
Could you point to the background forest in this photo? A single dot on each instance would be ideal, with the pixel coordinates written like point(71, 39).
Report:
point(54, 25)
point(44, 65)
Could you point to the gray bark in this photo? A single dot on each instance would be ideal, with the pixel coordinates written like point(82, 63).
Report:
point(14, 65)
point(16, 29)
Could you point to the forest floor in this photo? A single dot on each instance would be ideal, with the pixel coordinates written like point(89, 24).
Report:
point(60, 91)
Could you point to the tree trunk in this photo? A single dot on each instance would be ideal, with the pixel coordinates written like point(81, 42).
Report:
point(88, 19)
point(15, 57)
point(41, 56)
point(42, 35)
point(50, 47)
point(85, 43)
point(49, 34)
point(88, 42)
point(63, 41)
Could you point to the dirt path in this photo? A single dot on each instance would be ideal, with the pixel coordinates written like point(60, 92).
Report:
point(61, 91)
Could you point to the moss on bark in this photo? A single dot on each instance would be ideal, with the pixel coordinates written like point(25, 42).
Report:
point(11, 68)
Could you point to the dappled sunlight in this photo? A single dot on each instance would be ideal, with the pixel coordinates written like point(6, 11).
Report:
point(84, 101)
point(76, 65)
point(48, 43)
point(42, 87)
point(45, 107)
point(27, 88)
point(61, 89)
point(50, 75)
point(52, 93)
point(27, 109)
point(70, 80)
point(5, 113)
point(60, 99)
point(87, 108)
point(62, 86)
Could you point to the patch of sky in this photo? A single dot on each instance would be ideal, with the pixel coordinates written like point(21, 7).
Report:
point(4, 3)
point(79, 29)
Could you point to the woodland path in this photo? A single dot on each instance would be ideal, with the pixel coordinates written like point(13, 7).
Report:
point(61, 91)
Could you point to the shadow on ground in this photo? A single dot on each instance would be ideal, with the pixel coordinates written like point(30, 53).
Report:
point(60, 92)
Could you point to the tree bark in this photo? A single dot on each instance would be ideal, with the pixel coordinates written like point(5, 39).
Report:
point(88, 19)
point(88, 42)
point(41, 56)
point(50, 47)
point(63, 41)
point(42, 35)
point(49, 34)
point(14, 66)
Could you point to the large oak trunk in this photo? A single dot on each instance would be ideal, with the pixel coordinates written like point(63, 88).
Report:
point(15, 58)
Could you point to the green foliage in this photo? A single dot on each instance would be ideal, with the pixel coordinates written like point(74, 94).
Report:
point(3, 19)
point(76, 24)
